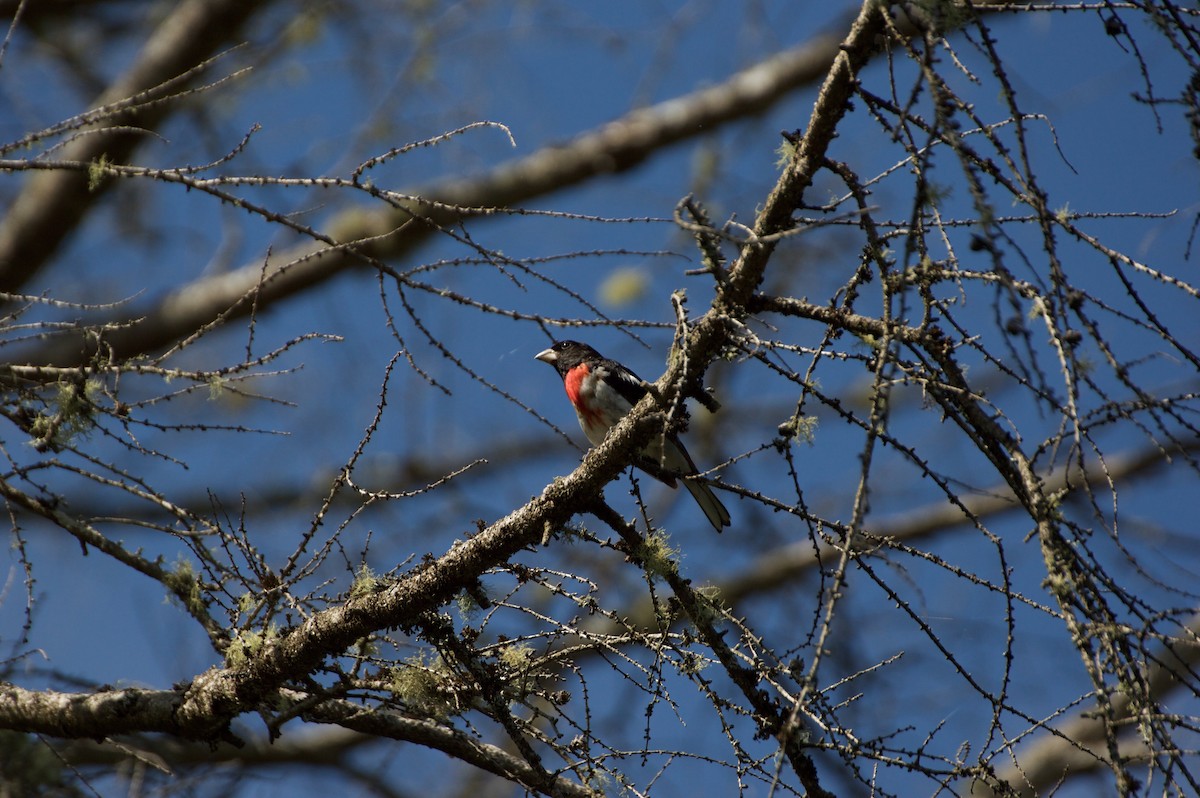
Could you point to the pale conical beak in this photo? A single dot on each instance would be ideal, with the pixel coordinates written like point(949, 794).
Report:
point(547, 356)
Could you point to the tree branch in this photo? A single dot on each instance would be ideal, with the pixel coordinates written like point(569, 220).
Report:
point(440, 737)
point(389, 233)
point(1080, 743)
point(51, 204)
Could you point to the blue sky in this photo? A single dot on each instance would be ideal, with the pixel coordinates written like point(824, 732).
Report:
point(549, 73)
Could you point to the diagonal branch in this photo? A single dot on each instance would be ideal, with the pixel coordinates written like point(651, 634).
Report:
point(440, 737)
point(220, 694)
point(204, 708)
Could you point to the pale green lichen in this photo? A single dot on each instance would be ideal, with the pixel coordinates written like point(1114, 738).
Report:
point(657, 555)
point(247, 643)
point(420, 683)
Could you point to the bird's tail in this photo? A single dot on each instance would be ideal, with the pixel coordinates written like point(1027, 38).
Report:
point(718, 516)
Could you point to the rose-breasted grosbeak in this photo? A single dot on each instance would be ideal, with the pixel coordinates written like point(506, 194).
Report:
point(602, 392)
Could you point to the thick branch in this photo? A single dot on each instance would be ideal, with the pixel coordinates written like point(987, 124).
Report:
point(95, 715)
point(107, 714)
point(220, 694)
point(204, 709)
point(448, 740)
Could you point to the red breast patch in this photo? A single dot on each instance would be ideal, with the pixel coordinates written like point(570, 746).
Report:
point(573, 382)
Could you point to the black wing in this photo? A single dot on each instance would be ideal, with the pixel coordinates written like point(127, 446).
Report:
point(631, 387)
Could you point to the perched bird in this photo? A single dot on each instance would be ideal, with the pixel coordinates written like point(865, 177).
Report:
point(602, 391)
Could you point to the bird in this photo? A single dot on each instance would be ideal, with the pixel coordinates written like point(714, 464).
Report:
point(603, 391)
